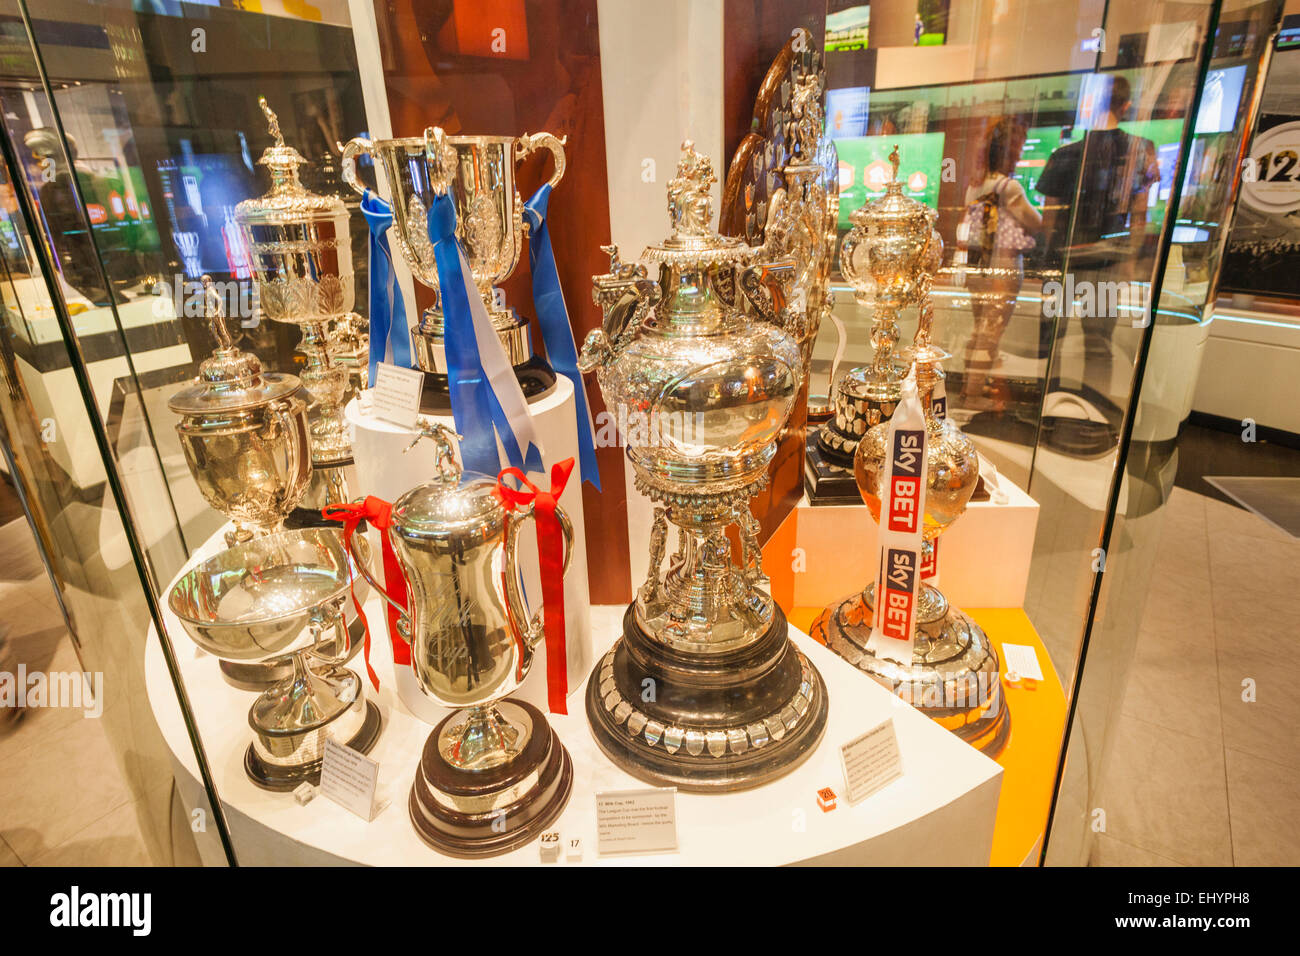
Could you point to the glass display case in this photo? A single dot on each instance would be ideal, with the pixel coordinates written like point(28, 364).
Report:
point(739, 303)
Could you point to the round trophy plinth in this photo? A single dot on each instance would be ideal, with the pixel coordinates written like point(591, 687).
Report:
point(535, 376)
point(954, 674)
point(259, 675)
point(706, 722)
point(861, 401)
point(474, 813)
point(283, 764)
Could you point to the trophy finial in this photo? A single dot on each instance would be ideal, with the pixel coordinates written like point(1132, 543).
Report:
point(690, 206)
point(893, 161)
point(216, 314)
point(272, 121)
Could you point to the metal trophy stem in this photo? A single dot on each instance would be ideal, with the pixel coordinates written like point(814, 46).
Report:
point(285, 595)
point(731, 703)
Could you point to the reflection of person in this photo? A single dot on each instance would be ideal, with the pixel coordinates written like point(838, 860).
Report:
point(61, 210)
point(1104, 180)
point(1096, 192)
point(997, 205)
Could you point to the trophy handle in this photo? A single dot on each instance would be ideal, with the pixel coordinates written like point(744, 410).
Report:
point(325, 619)
point(404, 617)
point(517, 610)
point(297, 448)
point(526, 145)
point(356, 146)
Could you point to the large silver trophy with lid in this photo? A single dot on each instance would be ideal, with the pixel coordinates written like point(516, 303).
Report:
point(301, 254)
point(480, 173)
point(705, 389)
point(885, 257)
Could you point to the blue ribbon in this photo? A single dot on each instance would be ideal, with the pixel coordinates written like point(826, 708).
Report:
point(389, 340)
point(557, 333)
point(479, 397)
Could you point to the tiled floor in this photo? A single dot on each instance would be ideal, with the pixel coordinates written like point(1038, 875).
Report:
point(62, 797)
point(1206, 766)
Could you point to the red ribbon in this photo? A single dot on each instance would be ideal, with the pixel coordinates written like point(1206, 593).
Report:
point(550, 547)
point(378, 513)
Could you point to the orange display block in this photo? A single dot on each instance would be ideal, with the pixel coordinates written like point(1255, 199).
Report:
point(1029, 760)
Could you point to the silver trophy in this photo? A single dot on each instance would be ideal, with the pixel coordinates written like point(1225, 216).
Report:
point(301, 253)
point(493, 773)
point(706, 390)
point(480, 173)
point(285, 594)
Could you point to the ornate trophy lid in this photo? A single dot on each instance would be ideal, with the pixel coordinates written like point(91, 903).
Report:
point(229, 379)
point(894, 209)
point(690, 210)
point(288, 199)
point(454, 507)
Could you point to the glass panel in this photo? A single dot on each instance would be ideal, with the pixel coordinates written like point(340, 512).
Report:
point(99, 786)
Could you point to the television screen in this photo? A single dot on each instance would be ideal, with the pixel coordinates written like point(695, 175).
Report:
point(1219, 99)
point(846, 111)
point(200, 192)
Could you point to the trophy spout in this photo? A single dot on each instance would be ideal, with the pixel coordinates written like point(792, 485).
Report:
point(626, 298)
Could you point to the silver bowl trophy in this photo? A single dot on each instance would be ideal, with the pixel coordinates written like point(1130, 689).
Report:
point(301, 254)
point(704, 690)
point(953, 675)
point(493, 774)
point(884, 258)
point(284, 594)
point(480, 172)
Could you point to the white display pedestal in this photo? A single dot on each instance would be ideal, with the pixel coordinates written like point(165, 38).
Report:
point(940, 812)
point(386, 470)
point(983, 557)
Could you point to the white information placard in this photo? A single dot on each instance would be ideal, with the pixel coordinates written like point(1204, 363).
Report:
point(349, 778)
point(396, 394)
point(871, 762)
point(636, 821)
point(1022, 659)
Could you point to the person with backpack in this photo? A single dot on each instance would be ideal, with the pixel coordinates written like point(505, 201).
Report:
point(996, 231)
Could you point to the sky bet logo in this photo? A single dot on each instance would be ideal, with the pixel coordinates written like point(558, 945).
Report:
point(896, 621)
point(905, 480)
point(76, 909)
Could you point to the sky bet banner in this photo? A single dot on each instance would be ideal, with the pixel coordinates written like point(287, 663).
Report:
point(893, 628)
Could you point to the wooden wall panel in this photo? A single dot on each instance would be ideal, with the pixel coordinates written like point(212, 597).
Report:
point(507, 67)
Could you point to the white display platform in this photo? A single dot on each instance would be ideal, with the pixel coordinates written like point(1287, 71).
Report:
point(983, 556)
point(386, 470)
point(940, 812)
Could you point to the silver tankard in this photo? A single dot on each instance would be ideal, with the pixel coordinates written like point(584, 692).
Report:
point(493, 773)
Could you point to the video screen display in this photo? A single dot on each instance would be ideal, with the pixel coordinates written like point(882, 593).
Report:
point(865, 169)
point(200, 192)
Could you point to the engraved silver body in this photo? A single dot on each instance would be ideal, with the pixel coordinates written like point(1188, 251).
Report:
point(245, 435)
point(471, 636)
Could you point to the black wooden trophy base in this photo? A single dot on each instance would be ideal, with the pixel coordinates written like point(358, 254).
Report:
point(828, 478)
point(468, 813)
point(536, 379)
point(706, 722)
